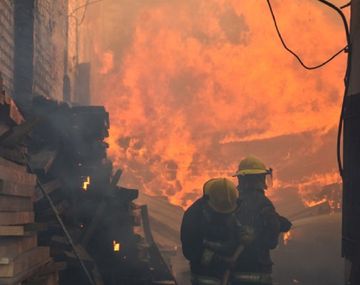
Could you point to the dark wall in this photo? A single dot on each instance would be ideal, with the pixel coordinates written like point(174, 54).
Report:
point(82, 87)
point(40, 44)
point(24, 48)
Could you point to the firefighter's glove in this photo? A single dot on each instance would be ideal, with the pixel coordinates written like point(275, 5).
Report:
point(207, 257)
point(212, 259)
point(246, 235)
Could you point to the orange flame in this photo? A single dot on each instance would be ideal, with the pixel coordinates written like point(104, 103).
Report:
point(193, 86)
point(116, 246)
point(287, 237)
point(86, 183)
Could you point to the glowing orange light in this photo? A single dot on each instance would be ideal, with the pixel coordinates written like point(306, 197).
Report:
point(86, 184)
point(287, 237)
point(116, 246)
point(314, 203)
point(262, 93)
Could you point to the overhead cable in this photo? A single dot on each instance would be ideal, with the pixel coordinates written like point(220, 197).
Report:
point(85, 6)
point(294, 53)
point(345, 6)
point(347, 49)
point(346, 81)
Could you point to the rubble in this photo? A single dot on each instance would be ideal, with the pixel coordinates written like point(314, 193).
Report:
point(110, 237)
point(20, 257)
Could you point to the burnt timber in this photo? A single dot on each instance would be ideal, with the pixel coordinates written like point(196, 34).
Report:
point(69, 162)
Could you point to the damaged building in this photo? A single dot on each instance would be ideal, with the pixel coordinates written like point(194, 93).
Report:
point(64, 219)
point(68, 212)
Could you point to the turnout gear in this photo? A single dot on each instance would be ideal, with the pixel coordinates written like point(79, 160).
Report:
point(252, 278)
point(229, 242)
point(221, 195)
point(209, 239)
point(252, 165)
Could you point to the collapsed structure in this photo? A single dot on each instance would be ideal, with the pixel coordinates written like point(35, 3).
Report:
point(63, 217)
point(68, 218)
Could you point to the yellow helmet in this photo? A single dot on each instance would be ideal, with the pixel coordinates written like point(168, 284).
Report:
point(222, 195)
point(251, 165)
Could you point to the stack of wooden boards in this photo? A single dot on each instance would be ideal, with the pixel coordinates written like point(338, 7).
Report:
point(21, 260)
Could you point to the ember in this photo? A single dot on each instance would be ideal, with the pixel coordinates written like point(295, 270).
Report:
point(287, 237)
point(116, 246)
point(314, 203)
point(86, 183)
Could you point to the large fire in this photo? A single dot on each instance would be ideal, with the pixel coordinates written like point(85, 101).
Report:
point(193, 86)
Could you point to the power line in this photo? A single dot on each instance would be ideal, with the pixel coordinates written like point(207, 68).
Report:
point(85, 6)
point(347, 49)
point(292, 52)
point(345, 6)
point(85, 10)
point(346, 81)
point(342, 16)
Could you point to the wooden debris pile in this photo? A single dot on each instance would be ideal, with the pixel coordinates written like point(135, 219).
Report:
point(112, 235)
point(22, 261)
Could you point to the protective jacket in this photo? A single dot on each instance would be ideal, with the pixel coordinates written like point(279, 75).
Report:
point(257, 211)
point(201, 225)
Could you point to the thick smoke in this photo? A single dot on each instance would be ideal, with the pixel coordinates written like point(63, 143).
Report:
point(193, 86)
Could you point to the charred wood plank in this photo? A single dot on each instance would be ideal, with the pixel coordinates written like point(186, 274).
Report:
point(12, 231)
point(15, 174)
point(10, 246)
point(94, 223)
point(6, 163)
point(18, 279)
point(16, 189)
point(48, 187)
point(115, 179)
point(146, 225)
point(11, 112)
point(47, 274)
point(24, 230)
point(11, 203)
point(42, 161)
point(51, 278)
point(52, 267)
point(16, 135)
point(126, 194)
point(16, 218)
point(33, 258)
point(156, 258)
point(3, 128)
point(100, 210)
point(46, 214)
point(88, 260)
point(16, 154)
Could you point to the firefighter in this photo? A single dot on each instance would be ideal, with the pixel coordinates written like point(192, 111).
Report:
point(258, 212)
point(211, 233)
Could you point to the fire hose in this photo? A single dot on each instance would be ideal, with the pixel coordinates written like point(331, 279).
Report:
point(232, 260)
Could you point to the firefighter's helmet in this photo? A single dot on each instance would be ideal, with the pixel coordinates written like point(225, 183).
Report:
point(252, 165)
point(221, 195)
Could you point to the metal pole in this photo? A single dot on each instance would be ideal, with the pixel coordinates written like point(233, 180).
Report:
point(351, 150)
